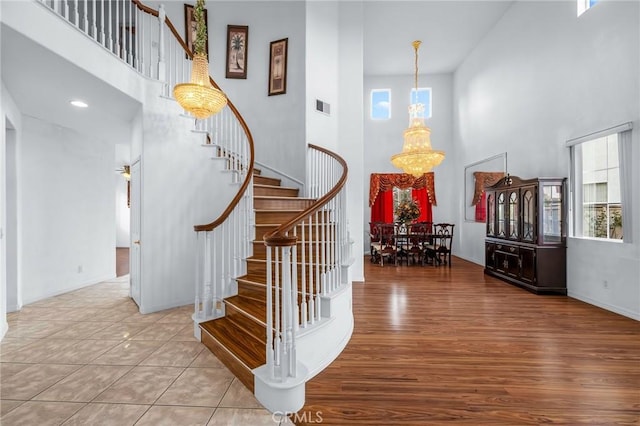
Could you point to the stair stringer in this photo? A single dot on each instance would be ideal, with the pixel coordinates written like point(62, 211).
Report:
point(317, 347)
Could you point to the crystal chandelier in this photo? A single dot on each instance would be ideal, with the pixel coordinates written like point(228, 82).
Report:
point(198, 96)
point(417, 156)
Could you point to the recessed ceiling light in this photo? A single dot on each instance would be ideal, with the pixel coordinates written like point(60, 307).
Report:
point(79, 104)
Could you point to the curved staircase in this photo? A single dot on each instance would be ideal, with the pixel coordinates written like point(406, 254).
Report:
point(239, 338)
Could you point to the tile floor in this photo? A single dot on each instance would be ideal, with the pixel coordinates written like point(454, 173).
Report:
point(90, 358)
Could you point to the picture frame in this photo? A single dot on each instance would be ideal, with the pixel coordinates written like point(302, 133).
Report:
point(190, 27)
point(237, 51)
point(278, 67)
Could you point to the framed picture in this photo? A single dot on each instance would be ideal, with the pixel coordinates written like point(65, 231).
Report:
point(190, 27)
point(237, 44)
point(278, 67)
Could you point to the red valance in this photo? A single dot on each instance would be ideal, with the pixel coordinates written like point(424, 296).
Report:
point(484, 179)
point(381, 182)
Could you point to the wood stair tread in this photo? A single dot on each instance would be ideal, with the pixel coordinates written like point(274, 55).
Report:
point(280, 197)
point(252, 307)
point(249, 351)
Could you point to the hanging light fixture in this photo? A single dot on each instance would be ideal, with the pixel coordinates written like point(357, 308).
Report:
point(198, 96)
point(417, 156)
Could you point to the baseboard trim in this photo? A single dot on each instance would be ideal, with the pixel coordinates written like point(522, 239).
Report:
point(615, 309)
point(83, 284)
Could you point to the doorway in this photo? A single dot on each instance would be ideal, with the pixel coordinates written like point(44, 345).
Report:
point(13, 301)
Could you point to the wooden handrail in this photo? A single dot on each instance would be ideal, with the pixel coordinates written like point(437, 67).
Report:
point(245, 184)
point(278, 237)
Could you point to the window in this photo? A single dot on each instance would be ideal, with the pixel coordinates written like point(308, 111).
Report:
point(584, 5)
point(599, 185)
point(400, 195)
point(381, 104)
point(422, 96)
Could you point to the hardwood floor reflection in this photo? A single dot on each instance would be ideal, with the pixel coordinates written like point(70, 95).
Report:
point(439, 345)
point(122, 261)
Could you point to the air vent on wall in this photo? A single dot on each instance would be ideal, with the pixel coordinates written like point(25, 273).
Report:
point(323, 107)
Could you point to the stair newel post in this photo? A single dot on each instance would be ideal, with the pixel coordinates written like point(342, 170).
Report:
point(199, 273)
point(270, 357)
point(276, 294)
point(285, 311)
point(162, 72)
point(295, 309)
point(208, 297)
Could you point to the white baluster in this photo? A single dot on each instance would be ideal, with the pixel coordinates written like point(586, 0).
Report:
point(161, 64)
point(85, 21)
point(94, 27)
point(270, 356)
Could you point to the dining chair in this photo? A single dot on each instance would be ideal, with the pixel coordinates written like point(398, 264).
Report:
point(442, 242)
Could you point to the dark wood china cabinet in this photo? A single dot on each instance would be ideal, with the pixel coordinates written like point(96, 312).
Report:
point(526, 233)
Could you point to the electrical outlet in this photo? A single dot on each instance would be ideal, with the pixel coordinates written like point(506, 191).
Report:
point(80, 269)
point(605, 284)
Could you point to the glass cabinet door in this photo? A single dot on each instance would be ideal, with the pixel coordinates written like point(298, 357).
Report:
point(514, 215)
point(491, 214)
point(528, 214)
point(552, 226)
point(501, 213)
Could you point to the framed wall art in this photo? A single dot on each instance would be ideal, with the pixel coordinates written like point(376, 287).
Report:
point(237, 44)
point(278, 67)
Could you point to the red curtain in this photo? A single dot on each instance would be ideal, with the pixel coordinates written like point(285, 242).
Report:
point(481, 208)
point(420, 195)
point(382, 209)
point(381, 182)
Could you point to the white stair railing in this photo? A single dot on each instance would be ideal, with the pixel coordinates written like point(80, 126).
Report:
point(304, 261)
point(148, 42)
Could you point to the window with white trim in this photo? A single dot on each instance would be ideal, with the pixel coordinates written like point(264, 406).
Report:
point(422, 96)
point(599, 187)
point(584, 5)
point(380, 104)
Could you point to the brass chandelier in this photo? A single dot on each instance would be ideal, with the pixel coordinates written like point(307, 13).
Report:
point(198, 96)
point(417, 156)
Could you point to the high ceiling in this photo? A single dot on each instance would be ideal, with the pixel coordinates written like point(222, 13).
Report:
point(449, 31)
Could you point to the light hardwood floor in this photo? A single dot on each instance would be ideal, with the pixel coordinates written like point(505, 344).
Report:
point(439, 345)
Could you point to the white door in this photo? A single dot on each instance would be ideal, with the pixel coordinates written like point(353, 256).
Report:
point(136, 243)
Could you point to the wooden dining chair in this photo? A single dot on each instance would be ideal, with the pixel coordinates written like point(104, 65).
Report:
point(388, 246)
point(442, 242)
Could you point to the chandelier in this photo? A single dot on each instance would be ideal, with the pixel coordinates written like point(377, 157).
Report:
point(417, 156)
point(198, 96)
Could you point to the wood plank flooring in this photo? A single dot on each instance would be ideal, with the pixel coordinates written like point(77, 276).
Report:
point(440, 345)
point(122, 261)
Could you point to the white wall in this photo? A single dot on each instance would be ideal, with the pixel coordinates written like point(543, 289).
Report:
point(67, 217)
point(539, 78)
point(181, 187)
point(3, 202)
point(350, 128)
point(383, 138)
point(9, 291)
point(277, 123)
point(322, 34)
